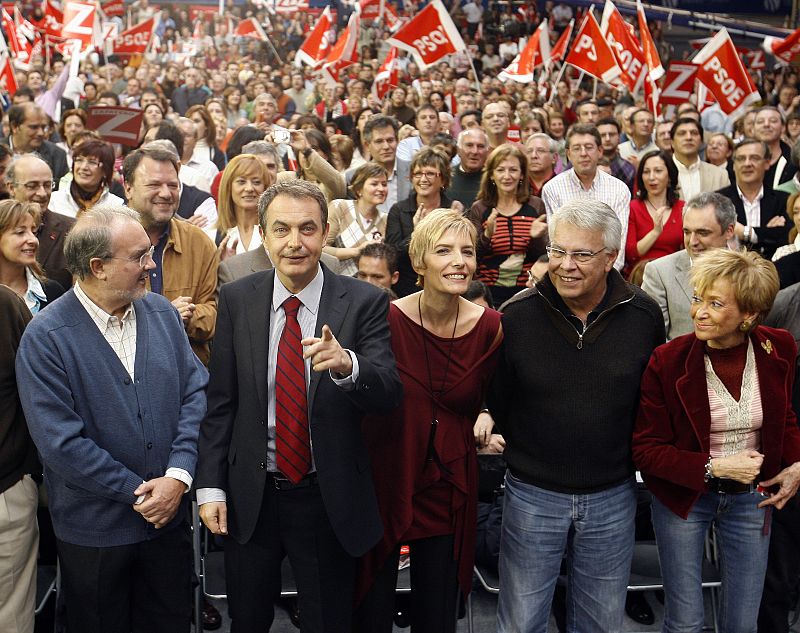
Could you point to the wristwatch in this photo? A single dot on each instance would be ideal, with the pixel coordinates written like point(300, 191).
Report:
point(708, 475)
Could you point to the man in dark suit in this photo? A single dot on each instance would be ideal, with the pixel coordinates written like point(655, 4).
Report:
point(30, 179)
point(762, 224)
point(28, 126)
point(275, 493)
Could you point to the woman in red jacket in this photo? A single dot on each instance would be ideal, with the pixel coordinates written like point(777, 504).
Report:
point(716, 439)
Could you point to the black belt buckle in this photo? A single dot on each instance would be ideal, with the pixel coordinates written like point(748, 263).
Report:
point(729, 486)
point(281, 483)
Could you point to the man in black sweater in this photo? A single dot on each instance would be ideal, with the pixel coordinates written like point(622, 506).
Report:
point(565, 398)
point(19, 494)
point(465, 181)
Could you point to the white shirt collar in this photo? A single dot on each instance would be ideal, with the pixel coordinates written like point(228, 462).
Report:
point(309, 296)
point(102, 319)
point(757, 199)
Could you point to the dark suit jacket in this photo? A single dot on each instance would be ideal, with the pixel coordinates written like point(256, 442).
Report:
point(673, 428)
point(55, 227)
point(772, 204)
point(191, 198)
point(54, 156)
point(232, 445)
point(789, 269)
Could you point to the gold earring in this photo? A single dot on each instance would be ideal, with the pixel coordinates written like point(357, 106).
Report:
point(744, 326)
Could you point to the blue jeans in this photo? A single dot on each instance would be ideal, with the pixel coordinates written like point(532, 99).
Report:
point(595, 530)
point(743, 549)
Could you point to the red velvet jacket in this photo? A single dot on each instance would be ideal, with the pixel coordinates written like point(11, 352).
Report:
point(672, 434)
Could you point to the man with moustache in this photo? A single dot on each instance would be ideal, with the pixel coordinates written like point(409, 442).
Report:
point(542, 153)
point(113, 397)
point(186, 260)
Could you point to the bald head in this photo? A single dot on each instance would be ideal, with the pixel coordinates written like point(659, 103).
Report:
point(30, 179)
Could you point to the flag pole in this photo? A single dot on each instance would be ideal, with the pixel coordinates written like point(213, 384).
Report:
point(557, 81)
point(474, 72)
point(594, 90)
point(47, 50)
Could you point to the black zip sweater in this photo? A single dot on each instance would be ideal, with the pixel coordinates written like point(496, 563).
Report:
point(565, 397)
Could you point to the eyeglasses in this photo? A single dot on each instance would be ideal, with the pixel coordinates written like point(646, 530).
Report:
point(33, 186)
point(428, 175)
point(89, 162)
point(145, 257)
point(581, 257)
point(586, 147)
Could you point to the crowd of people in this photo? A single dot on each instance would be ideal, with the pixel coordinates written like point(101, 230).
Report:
point(552, 272)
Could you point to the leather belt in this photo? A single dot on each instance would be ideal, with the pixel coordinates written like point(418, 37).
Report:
point(729, 486)
point(279, 482)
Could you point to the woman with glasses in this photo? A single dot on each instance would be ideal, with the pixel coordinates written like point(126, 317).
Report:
point(716, 439)
point(430, 177)
point(655, 227)
point(19, 270)
point(512, 223)
point(356, 223)
point(92, 173)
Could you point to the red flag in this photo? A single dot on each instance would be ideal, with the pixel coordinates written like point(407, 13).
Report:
point(113, 8)
point(705, 98)
point(627, 50)
point(344, 53)
point(53, 19)
point(20, 46)
point(80, 20)
point(116, 124)
point(535, 53)
point(291, 6)
point(721, 70)
point(560, 49)
point(678, 84)
point(135, 40)
point(317, 46)
point(392, 20)
point(371, 9)
point(648, 45)
point(429, 36)
point(591, 53)
point(388, 75)
point(250, 28)
point(786, 49)
point(652, 96)
point(8, 81)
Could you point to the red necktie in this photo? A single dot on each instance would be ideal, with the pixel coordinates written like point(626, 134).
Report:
point(292, 447)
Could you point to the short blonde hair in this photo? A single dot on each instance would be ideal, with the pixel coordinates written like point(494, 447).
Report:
point(754, 280)
point(431, 229)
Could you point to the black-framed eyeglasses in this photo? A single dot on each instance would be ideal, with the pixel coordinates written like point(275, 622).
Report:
point(581, 257)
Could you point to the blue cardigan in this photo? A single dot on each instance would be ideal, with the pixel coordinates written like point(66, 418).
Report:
point(99, 433)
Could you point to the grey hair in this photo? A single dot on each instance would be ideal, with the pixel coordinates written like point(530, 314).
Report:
point(724, 211)
point(261, 148)
point(11, 172)
point(295, 189)
point(752, 141)
point(544, 137)
point(166, 145)
point(474, 130)
point(90, 238)
point(590, 215)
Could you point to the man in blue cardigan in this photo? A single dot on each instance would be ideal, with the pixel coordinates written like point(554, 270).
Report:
point(114, 396)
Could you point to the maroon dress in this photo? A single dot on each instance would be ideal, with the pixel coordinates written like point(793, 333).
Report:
point(424, 493)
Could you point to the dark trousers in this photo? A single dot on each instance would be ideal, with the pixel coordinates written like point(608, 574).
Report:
point(292, 523)
point(783, 569)
point(141, 588)
point(434, 590)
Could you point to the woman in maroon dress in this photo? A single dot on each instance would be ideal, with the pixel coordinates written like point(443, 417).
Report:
point(423, 454)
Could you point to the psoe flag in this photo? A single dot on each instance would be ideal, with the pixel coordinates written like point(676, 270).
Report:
point(429, 36)
point(721, 70)
point(591, 53)
point(535, 53)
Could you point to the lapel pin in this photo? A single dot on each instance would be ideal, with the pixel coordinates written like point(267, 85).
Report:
point(767, 345)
